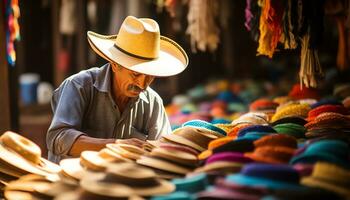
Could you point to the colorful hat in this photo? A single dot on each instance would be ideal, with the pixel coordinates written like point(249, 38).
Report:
point(326, 101)
point(295, 130)
point(237, 128)
point(214, 144)
point(140, 47)
point(195, 138)
point(271, 176)
point(329, 119)
point(276, 140)
point(298, 110)
point(205, 126)
point(263, 105)
point(192, 184)
point(329, 177)
point(175, 196)
point(326, 108)
point(20, 156)
point(271, 154)
point(225, 162)
point(256, 118)
point(256, 128)
point(125, 179)
point(298, 92)
point(292, 119)
point(333, 151)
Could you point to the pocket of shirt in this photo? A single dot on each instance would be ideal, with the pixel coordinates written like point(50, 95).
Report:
point(137, 134)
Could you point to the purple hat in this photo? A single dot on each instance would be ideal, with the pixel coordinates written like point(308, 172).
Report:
point(228, 157)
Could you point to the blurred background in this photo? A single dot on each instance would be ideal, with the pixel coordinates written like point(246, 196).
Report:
point(51, 45)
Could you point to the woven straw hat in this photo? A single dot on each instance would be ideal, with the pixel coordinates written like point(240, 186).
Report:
point(140, 47)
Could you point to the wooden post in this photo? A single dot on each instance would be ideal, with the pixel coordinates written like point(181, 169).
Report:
point(5, 123)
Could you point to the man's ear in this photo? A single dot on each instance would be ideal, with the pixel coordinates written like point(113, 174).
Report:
point(114, 67)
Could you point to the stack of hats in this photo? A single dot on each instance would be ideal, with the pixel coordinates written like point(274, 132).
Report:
point(330, 125)
point(170, 160)
point(274, 149)
point(74, 169)
point(20, 156)
point(328, 150)
point(120, 181)
point(33, 186)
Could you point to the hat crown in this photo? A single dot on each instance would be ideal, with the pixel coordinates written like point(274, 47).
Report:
point(139, 37)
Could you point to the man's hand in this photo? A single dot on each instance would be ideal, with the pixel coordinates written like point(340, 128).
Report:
point(132, 141)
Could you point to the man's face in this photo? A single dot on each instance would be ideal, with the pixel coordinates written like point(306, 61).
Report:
point(130, 83)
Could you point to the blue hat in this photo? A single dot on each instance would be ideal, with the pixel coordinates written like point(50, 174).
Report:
point(326, 101)
point(271, 176)
point(205, 125)
point(191, 184)
point(256, 128)
point(253, 136)
point(220, 121)
point(333, 151)
point(175, 196)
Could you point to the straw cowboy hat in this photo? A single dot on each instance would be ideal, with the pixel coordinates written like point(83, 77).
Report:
point(140, 47)
point(126, 179)
point(19, 156)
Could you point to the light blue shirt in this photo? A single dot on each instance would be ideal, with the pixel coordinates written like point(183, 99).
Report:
point(83, 105)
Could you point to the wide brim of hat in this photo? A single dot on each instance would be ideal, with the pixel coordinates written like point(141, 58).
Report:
point(18, 162)
point(95, 183)
point(266, 159)
point(241, 179)
point(172, 59)
point(72, 168)
point(181, 140)
point(177, 156)
point(315, 157)
point(314, 182)
point(222, 166)
point(162, 165)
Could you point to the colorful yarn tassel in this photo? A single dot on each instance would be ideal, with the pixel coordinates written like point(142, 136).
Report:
point(12, 14)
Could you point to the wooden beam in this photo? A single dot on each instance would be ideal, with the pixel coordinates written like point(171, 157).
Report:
point(5, 122)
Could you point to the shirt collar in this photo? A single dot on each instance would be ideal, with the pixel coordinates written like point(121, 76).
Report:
point(103, 82)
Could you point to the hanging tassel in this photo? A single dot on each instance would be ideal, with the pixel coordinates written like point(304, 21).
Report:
point(288, 38)
point(202, 26)
point(270, 27)
point(310, 66)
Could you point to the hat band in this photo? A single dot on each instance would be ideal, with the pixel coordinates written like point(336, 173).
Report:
point(133, 55)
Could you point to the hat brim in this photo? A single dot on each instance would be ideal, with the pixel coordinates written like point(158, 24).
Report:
point(181, 140)
point(314, 182)
point(94, 183)
point(177, 156)
point(72, 168)
point(17, 162)
point(172, 59)
point(162, 165)
point(222, 166)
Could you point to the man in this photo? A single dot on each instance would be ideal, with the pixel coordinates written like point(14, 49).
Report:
point(99, 105)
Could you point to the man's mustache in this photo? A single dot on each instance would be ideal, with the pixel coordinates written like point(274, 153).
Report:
point(134, 88)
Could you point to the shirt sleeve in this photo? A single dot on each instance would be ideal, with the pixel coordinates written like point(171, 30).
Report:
point(68, 104)
point(159, 122)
